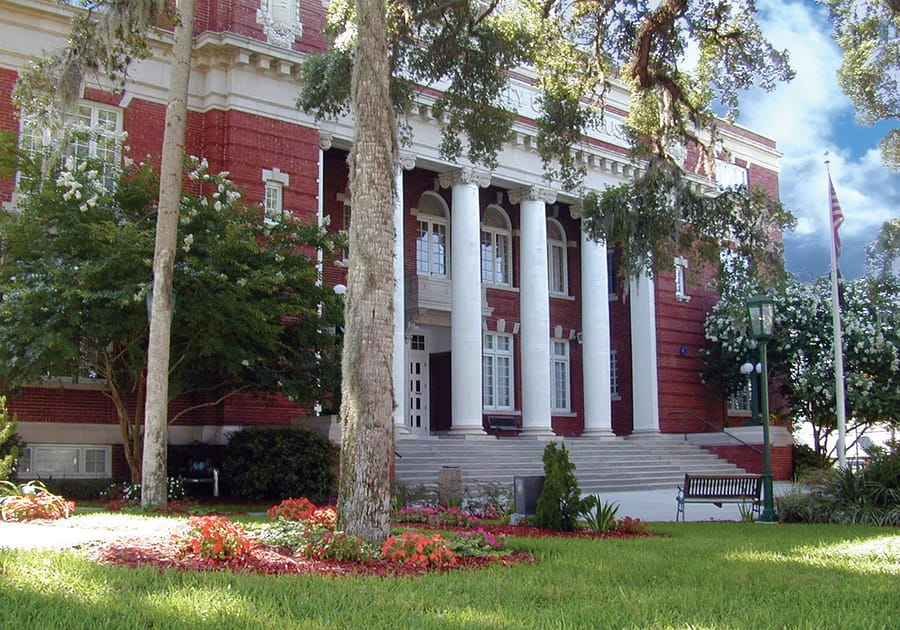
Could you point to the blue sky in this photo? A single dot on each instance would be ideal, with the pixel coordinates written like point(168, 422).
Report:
point(807, 117)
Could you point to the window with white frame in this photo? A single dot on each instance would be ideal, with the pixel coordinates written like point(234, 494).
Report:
point(432, 229)
point(681, 265)
point(497, 371)
point(613, 374)
point(559, 375)
point(496, 252)
point(96, 133)
point(275, 182)
point(739, 402)
point(65, 460)
point(730, 176)
point(557, 265)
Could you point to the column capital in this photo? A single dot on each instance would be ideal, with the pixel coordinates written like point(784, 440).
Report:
point(325, 140)
point(465, 175)
point(532, 193)
point(406, 161)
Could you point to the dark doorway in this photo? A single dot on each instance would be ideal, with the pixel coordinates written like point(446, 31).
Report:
point(441, 399)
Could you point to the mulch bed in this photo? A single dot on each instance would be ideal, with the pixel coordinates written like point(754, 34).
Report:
point(268, 561)
point(265, 560)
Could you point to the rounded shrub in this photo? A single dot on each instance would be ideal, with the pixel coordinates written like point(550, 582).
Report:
point(278, 463)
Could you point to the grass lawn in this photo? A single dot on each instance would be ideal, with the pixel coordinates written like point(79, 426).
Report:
point(697, 575)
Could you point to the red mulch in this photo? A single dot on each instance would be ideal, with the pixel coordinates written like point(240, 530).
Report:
point(268, 561)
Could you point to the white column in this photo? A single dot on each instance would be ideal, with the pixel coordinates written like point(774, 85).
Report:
point(465, 298)
point(534, 307)
point(644, 373)
point(595, 338)
point(398, 364)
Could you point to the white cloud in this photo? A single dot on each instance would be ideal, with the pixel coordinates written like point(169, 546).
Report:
point(807, 117)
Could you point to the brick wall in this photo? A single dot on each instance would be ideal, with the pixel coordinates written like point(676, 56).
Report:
point(781, 459)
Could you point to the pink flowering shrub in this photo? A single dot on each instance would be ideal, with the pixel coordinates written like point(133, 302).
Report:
point(419, 550)
point(216, 538)
point(31, 500)
point(630, 525)
point(478, 543)
point(293, 509)
point(440, 516)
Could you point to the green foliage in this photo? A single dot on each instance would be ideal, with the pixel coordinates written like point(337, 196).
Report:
point(869, 496)
point(868, 35)
point(10, 445)
point(600, 516)
point(560, 502)
point(659, 215)
point(806, 458)
point(277, 463)
point(884, 251)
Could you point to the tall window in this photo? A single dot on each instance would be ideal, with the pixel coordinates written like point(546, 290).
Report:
point(681, 264)
point(613, 374)
point(559, 374)
point(612, 274)
point(496, 253)
point(431, 236)
point(497, 360)
point(275, 182)
point(557, 258)
point(95, 135)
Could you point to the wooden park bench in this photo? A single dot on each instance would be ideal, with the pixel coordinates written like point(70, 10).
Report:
point(497, 425)
point(719, 489)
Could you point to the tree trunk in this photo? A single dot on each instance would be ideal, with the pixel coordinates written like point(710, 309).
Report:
point(367, 447)
point(154, 491)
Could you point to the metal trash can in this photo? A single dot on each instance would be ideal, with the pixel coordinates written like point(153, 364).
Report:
point(527, 489)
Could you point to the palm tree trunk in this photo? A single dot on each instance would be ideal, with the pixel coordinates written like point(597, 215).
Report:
point(367, 395)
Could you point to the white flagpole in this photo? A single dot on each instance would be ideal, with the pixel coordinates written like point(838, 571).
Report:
point(838, 337)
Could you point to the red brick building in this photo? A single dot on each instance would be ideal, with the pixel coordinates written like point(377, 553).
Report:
point(504, 308)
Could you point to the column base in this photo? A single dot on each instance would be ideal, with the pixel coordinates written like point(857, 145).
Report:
point(467, 432)
point(537, 432)
point(597, 433)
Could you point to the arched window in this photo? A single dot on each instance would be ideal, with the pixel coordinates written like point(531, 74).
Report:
point(432, 245)
point(557, 255)
point(496, 250)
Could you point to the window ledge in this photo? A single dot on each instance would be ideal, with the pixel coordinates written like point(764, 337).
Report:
point(681, 297)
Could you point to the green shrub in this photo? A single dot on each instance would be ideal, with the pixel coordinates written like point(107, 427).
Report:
point(9, 442)
point(600, 516)
point(806, 458)
point(869, 496)
point(560, 502)
point(79, 489)
point(278, 463)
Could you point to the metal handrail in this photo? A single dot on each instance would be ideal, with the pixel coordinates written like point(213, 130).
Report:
point(714, 426)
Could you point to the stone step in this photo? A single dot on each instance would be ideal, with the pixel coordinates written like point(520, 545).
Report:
point(601, 464)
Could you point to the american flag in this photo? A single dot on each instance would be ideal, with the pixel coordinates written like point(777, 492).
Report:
point(837, 217)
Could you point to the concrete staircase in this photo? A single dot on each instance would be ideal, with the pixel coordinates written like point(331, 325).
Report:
point(610, 464)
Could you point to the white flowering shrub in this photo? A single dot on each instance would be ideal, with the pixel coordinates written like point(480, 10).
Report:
point(801, 353)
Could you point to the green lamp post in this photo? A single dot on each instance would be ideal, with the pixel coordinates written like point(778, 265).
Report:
point(761, 310)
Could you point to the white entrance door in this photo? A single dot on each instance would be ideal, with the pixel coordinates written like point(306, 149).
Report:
point(417, 386)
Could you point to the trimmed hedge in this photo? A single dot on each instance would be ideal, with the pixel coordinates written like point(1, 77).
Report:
point(279, 463)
